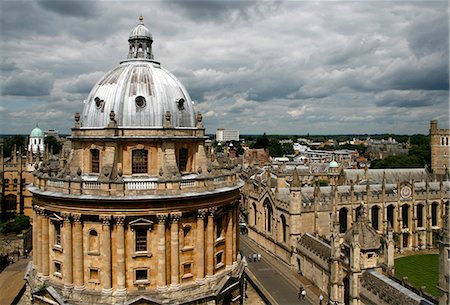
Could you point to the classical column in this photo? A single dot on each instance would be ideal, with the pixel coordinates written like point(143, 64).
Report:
point(120, 254)
point(67, 248)
point(161, 233)
point(78, 265)
point(35, 243)
point(235, 232)
point(106, 254)
point(229, 240)
point(45, 245)
point(174, 251)
point(200, 253)
point(210, 243)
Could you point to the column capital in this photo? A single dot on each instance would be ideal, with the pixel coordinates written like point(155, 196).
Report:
point(65, 216)
point(76, 217)
point(201, 213)
point(161, 218)
point(105, 219)
point(41, 211)
point(212, 211)
point(120, 220)
point(175, 217)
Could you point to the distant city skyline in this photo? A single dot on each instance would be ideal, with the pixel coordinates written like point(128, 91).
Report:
point(331, 67)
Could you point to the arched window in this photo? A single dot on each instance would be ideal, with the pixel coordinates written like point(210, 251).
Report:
point(390, 215)
point(139, 161)
point(343, 214)
point(254, 213)
point(57, 230)
point(187, 236)
point(283, 228)
point(375, 213)
point(405, 215)
point(15, 184)
point(93, 241)
point(95, 161)
point(182, 159)
point(358, 212)
point(268, 214)
point(6, 182)
point(419, 212)
point(434, 212)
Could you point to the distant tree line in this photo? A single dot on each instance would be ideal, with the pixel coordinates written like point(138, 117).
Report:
point(21, 143)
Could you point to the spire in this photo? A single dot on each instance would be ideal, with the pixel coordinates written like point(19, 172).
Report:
point(295, 183)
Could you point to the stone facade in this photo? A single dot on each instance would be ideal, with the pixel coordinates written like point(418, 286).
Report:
point(136, 215)
point(317, 230)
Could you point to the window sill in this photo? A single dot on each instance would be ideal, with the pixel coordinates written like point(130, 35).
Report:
point(187, 249)
point(57, 274)
point(94, 282)
point(57, 248)
point(220, 265)
point(220, 241)
point(187, 275)
point(141, 254)
point(141, 282)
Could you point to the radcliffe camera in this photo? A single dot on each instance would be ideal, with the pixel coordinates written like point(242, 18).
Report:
point(216, 152)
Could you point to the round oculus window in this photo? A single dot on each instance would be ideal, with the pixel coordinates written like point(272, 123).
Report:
point(180, 104)
point(140, 101)
point(98, 102)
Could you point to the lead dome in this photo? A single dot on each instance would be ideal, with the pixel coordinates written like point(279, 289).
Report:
point(139, 91)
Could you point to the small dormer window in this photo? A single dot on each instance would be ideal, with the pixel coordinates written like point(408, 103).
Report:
point(140, 101)
point(180, 104)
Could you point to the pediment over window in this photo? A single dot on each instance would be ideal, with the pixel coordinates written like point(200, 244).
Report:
point(56, 218)
point(141, 223)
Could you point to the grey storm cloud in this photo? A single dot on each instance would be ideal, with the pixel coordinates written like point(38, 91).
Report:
point(274, 66)
point(28, 83)
point(70, 8)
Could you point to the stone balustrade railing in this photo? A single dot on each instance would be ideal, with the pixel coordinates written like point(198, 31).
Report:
point(135, 186)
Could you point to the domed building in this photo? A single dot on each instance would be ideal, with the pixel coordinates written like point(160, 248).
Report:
point(136, 213)
point(36, 141)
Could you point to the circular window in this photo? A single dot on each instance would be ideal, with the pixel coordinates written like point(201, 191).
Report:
point(180, 104)
point(98, 102)
point(140, 101)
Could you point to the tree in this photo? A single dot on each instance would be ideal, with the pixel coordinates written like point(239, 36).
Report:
point(8, 147)
point(53, 144)
point(262, 142)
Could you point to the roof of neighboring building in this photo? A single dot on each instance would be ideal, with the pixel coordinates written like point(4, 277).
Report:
point(37, 133)
point(391, 175)
point(367, 237)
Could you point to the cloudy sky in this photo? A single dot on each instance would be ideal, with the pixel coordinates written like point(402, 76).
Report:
point(286, 67)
